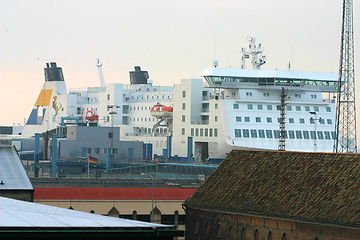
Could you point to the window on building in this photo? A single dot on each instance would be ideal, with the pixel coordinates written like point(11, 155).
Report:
point(269, 120)
point(238, 119)
point(312, 134)
point(291, 134)
point(196, 132)
point(192, 132)
point(291, 120)
point(307, 108)
point(261, 133)
point(247, 119)
point(105, 150)
point(306, 134)
point(313, 96)
point(110, 135)
point(201, 132)
point(328, 109)
point(89, 150)
point(108, 97)
point(237, 133)
point(327, 134)
point(216, 118)
point(246, 133)
point(215, 132)
point(266, 94)
point(316, 108)
point(184, 94)
point(269, 107)
point(329, 121)
point(258, 119)
point(183, 118)
point(97, 150)
point(210, 132)
point(183, 131)
point(253, 133)
point(183, 106)
point(301, 120)
point(269, 134)
point(115, 151)
point(298, 108)
point(236, 106)
point(260, 107)
point(216, 106)
point(206, 132)
point(298, 135)
point(249, 94)
point(250, 106)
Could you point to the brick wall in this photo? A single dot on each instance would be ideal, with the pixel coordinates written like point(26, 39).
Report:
point(201, 224)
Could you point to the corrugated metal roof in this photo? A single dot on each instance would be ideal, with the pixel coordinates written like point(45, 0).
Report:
point(310, 186)
point(112, 193)
point(12, 172)
point(15, 213)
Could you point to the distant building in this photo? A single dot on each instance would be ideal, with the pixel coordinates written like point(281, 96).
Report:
point(24, 220)
point(14, 182)
point(278, 195)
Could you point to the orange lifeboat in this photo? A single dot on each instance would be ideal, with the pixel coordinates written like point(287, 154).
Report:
point(161, 111)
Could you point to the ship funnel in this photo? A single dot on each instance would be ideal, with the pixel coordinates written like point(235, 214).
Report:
point(138, 76)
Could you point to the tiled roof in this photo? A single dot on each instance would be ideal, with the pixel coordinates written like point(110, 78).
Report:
point(310, 186)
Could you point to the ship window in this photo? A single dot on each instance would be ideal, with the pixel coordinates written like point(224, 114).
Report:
point(291, 120)
point(246, 133)
point(298, 108)
point(192, 132)
point(269, 107)
point(115, 151)
point(307, 108)
point(278, 120)
point(320, 135)
point(333, 135)
point(306, 134)
point(89, 150)
point(238, 119)
point(78, 110)
point(313, 96)
point(298, 135)
point(328, 109)
point(276, 133)
point(312, 121)
point(259, 107)
point(110, 135)
point(301, 120)
point(269, 120)
point(291, 134)
point(316, 108)
point(327, 134)
point(249, 94)
point(237, 133)
point(184, 94)
point(196, 132)
point(236, 106)
point(210, 132)
point(97, 150)
point(322, 121)
point(253, 133)
point(266, 94)
point(289, 108)
point(201, 132)
point(278, 107)
point(183, 118)
point(261, 134)
point(258, 119)
point(329, 121)
point(215, 132)
point(105, 150)
point(206, 132)
point(269, 134)
point(216, 118)
point(250, 106)
point(247, 119)
point(183, 106)
point(312, 134)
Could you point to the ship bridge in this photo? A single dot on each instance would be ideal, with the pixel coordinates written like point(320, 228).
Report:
point(248, 78)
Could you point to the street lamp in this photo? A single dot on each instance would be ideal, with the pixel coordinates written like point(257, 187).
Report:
point(152, 199)
point(315, 119)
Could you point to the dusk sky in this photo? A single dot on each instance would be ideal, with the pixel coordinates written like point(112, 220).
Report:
point(172, 40)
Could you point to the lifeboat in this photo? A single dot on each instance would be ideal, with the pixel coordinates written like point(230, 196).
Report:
point(161, 111)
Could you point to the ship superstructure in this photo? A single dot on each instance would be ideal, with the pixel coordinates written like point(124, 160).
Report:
point(231, 109)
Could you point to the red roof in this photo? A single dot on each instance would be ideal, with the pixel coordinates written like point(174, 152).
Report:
point(112, 193)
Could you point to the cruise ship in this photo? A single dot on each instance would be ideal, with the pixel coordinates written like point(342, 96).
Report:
point(226, 109)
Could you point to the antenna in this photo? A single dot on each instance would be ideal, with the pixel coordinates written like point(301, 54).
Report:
point(99, 65)
point(345, 141)
point(215, 62)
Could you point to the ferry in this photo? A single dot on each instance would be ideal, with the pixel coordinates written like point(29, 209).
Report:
point(225, 109)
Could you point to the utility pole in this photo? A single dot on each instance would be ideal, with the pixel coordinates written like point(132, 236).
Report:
point(345, 129)
point(282, 131)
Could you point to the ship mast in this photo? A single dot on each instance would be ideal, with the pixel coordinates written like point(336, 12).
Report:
point(257, 59)
point(99, 65)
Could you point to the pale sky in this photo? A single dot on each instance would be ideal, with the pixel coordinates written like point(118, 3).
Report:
point(170, 39)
